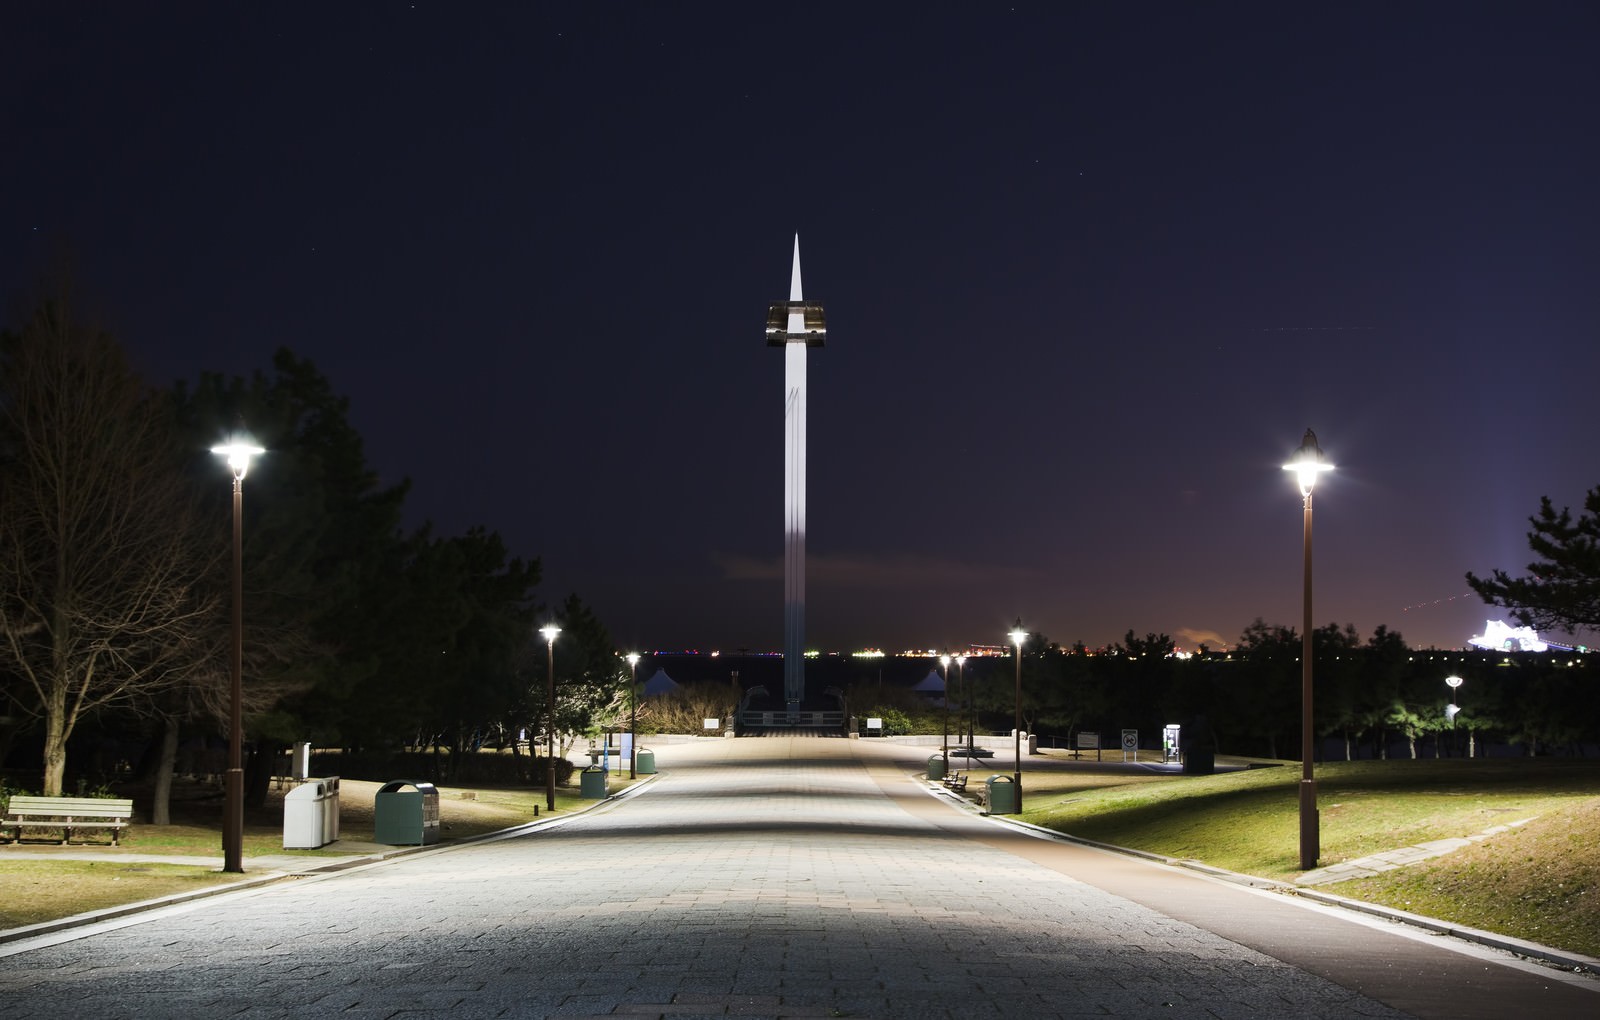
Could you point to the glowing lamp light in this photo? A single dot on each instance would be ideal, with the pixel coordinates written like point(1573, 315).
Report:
point(1018, 636)
point(1308, 463)
point(549, 631)
point(238, 454)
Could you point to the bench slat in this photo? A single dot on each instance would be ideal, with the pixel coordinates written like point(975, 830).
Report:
point(65, 805)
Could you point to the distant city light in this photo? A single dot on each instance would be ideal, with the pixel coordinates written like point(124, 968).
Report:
point(1498, 636)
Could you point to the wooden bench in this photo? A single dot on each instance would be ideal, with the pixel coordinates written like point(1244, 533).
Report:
point(956, 781)
point(67, 814)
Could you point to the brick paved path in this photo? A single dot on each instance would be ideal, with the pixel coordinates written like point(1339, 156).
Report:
point(768, 878)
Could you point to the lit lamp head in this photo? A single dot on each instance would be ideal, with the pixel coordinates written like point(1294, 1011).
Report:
point(944, 660)
point(1454, 681)
point(550, 631)
point(1018, 635)
point(1308, 463)
point(238, 453)
point(633, 659)
point(961, 660)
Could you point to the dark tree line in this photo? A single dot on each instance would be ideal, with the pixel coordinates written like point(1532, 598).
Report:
point(115, 575)
point(1373, 697)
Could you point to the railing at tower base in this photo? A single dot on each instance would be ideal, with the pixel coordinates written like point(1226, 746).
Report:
point(752, 720)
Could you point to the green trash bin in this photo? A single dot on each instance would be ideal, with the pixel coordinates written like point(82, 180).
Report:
point(402, 817)
point(936, 768)
point(593, 783)
point(647, 762)
point(1001, 795)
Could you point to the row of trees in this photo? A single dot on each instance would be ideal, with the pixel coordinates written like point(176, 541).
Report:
point(1368, 694)
point(1373, 697)
point(115, 573)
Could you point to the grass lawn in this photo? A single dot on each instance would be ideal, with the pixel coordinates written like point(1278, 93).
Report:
point(39, 891)
point(1539, 880)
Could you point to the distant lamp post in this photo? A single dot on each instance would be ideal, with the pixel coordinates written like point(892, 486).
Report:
point(1307, 464)
point(961, 685)
point(944, 660)
point(1018, 636)
point(550, 631)
point(1452, 710)
point(238, 455)
point(633, 718)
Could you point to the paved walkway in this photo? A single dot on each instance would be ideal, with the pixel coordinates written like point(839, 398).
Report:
point(1388, 860)
point(769, 878)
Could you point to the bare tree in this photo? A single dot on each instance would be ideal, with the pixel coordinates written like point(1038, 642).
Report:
point(100, 556)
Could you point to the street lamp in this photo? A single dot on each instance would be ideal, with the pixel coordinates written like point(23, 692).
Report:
point(961, 685)
point(1307, 464)
point(1018, 636)
point(633, 721)
point(238, 455)
point(944, 660)
point(1452, 710)
point(550, 631)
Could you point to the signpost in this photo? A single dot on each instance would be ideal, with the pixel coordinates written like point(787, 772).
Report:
point(1088, 742)
point(1130, 745)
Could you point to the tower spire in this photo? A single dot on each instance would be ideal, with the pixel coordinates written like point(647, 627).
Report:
point(794, 277)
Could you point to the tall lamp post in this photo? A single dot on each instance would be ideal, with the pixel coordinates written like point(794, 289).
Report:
point(944, 660)
point(633, 717)
point(238, 455)
point(1018, 636)
point(961, 685)
point(1452, 710)
point(1307, 464)
point(550, 631)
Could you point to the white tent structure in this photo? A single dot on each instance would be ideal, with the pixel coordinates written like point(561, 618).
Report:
point(659, 684)
point(931, 687)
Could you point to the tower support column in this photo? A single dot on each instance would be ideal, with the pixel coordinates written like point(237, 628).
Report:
point(794, 325)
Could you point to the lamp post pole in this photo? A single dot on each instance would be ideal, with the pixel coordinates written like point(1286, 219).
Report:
point(1018, 636)
point(633, 715)
point(961, 685)
point(238, 455)
point(944, 660)
point(1307, 464)
point(550, 631)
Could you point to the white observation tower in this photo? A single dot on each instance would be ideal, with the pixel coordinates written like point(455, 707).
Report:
point(794, 325)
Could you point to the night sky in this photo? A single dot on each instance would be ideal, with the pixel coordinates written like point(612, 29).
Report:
point(1089, 273)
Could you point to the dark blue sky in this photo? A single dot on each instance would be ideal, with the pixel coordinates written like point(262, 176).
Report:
point(1089, 275)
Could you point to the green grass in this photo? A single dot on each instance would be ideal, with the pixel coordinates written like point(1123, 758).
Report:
point(1539, 881)
point(39, 891)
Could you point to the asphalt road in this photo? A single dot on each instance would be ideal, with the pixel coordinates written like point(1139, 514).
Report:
point(770, 878)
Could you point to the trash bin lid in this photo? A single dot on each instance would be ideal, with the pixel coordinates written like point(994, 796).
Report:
point(398, 784)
